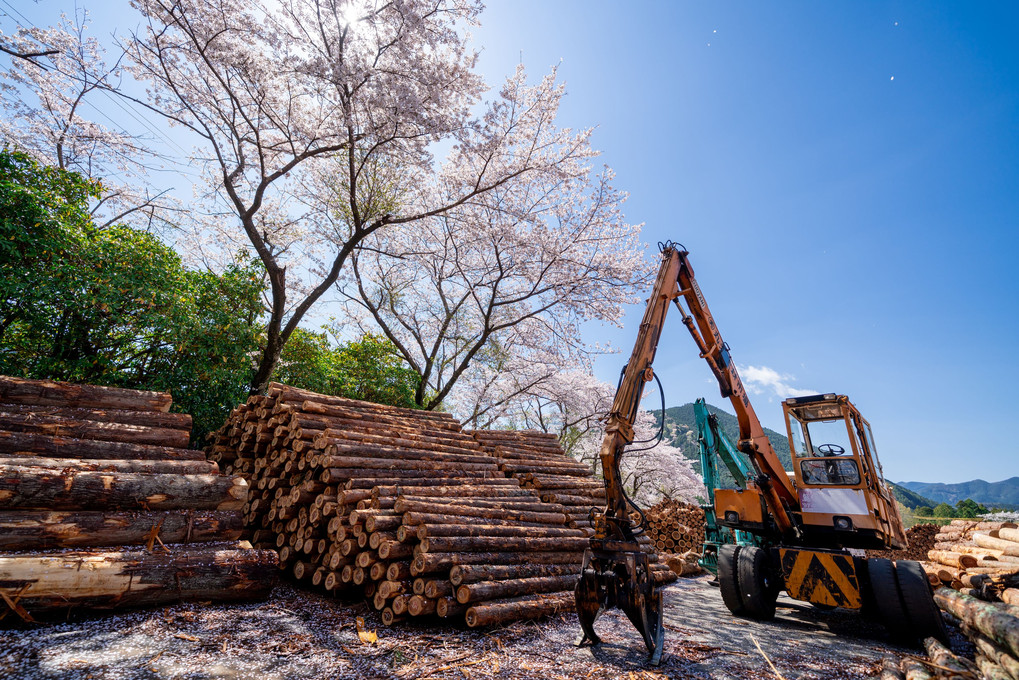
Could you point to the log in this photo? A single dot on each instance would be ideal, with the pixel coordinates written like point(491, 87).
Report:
point(434, 530)
point(447, 607)
point(890, 669)
point(473, 573)
point(96, 429)
point(993, 651)
point(416, 518)
point(428, 563)
point(998, 626)
point(515, 504)
point(51, 393)
point(1011, 596)
point(40, 488)
point(492, 590)
point(174, 421)
point(419, 605)
point(1005, 546)
point(40, 530)
point(1008, 534)
point(404, 506)
point(531, 607)
point(393, 464)
point(989, 670)
point(501, 544)
point(914, 669)
point(176, 467)
point(107, 580)
point(952, 559)
point(943, 657)
point(23, 444)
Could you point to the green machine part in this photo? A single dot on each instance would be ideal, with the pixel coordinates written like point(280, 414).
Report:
point(714, 445)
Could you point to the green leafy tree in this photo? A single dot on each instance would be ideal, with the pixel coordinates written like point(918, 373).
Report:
point(969, 508)
point(924, 511)
point(367, 369)
point(115, 306)
point(944, 510)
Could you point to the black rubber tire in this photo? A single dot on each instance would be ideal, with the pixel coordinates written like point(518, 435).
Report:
point(888, 598)
point(757, 584)
point(924, 615)
point(728, 578)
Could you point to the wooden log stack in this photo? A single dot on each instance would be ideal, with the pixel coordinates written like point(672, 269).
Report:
point(106, 472)
point(978, 558)
point(404, 507)
point(676, 527)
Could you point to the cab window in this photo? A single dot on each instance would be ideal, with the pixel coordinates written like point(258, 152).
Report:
point(833, 471)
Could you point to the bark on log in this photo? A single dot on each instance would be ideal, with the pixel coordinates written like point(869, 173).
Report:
point(989, 670)
point(502, 544)
point(952, 559)
point(998, 626)
point(176, 467)
point(404, 506)
point(173, 421)
point(474, 573)
point(424, 531)
point(915, 670)
point(890, 669)
point(39, 488)
point(96, 429)
point(41, 530)
point(993, 651)
point(429, 563)
point(107, 580)
point(532, 607)
point(416, 518)
point(22, 443)
point(419, 605)
point(943, 657)
point(492, 590)
point(390, 464)
point(51, 393)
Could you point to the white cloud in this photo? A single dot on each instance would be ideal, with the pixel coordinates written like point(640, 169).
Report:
point(764, 380)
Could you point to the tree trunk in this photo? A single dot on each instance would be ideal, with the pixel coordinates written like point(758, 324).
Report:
point(50, 393)
point(43, 489)
point(502, 544)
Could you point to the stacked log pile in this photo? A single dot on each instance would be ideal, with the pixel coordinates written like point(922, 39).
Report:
point(676, 527)
point(90, 468)
point(538, 461)
point(387, 502)
point(992, 627)
point(978, 558)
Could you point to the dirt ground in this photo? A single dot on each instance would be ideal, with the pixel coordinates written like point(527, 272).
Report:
point(299, 634)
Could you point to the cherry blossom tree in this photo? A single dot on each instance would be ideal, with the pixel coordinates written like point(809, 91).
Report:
point(486, 300)
point(352, 96)
point(52, 91)
point(573, 404)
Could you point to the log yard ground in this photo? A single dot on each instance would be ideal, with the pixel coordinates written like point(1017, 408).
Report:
point(301, 634)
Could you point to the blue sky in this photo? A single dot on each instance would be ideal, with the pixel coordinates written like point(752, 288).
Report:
point(844, 175)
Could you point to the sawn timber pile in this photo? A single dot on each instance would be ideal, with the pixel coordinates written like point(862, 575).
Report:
point(399, 505)
point(103, 506)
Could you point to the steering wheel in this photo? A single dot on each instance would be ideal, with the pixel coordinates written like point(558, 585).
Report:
point(830, 450)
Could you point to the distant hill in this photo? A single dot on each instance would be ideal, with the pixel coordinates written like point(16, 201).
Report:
point(910, 499)
point(681, 432)
point(1000, 494)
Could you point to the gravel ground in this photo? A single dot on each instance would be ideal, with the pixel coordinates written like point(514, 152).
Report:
point(298, 634)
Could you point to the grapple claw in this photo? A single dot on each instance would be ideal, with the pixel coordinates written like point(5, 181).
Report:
point(618, 575)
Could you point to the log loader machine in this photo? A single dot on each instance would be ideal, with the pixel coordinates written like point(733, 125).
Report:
point(806, 523)
point(714, 445)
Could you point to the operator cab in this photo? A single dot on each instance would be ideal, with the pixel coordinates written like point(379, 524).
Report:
point(838, 476)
